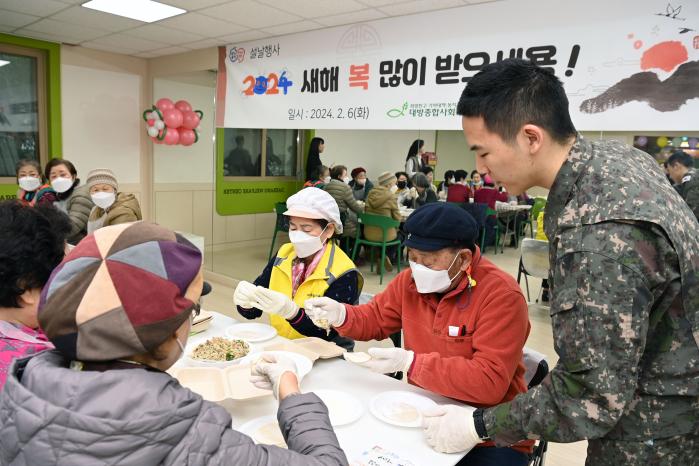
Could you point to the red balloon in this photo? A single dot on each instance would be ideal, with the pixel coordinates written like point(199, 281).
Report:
point(172, 136)
point(150, 122)
point(164, 104)
point(172, 118)
point(190, 120)
point(187, 137)
point(183, 106)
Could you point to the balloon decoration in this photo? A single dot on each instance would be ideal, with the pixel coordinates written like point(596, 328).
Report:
point(661, 141)
point(172, 123)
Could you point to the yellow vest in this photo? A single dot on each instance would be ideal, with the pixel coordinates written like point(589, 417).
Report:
point(331, 266)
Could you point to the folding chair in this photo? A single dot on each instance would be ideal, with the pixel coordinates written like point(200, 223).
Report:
point(534, 262)
point(536, 369)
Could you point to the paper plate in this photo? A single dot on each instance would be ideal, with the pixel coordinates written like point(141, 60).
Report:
point(400, 408)
point(303, 364)
point(343, 408)
point(264, 430)
point(251, 332)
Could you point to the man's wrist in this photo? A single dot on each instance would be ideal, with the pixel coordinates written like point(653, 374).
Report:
point(479, 423)
point(288, 385)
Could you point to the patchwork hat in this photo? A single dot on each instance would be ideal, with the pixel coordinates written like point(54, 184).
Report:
point(386, 177)
point(121, 291)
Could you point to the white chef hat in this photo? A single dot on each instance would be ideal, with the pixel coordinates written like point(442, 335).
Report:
point(314, 203)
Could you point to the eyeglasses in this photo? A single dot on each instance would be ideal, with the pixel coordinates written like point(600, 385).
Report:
point(196, 310)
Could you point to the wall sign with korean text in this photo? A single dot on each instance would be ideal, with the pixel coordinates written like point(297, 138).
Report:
point(626, 65)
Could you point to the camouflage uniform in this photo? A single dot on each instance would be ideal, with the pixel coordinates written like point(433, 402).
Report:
point(624, 254)
point(689, 190)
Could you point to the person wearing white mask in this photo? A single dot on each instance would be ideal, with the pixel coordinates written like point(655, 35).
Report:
point(71, 197)
point(111, 206)
point(32, 190)
point(310, 265)
point(464, 321)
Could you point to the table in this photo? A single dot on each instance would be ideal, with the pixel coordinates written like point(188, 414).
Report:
point(338, 374)
point(405, 213)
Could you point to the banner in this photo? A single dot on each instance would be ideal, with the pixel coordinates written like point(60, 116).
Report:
point(626, 65)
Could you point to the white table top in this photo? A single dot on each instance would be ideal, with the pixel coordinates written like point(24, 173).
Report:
point(338, 374)
point(507, 207)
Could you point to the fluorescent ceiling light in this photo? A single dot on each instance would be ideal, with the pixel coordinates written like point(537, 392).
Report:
point(141, 10)
point(4, 62)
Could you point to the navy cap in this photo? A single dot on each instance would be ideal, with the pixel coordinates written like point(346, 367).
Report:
point(439, 225)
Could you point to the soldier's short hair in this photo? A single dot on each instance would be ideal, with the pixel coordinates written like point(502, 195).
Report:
point(514, 92)
point(682, 157)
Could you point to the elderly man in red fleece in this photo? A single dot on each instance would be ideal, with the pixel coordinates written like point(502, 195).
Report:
point(464, 321)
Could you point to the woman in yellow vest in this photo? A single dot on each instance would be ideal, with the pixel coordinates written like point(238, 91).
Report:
point(312, 265)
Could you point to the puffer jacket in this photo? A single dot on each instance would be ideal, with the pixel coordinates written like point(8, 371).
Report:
point(77, 203)
point(125, 209)
point(348, 205)
point(52, 415)
point(381, 201)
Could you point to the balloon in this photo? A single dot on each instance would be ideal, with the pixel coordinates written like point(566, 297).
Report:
point(661, 141)
point(150, 122)
point(641, 141)
point(164, 104)
point(693, 143)
point(154, 116)
point(677, 141)
point(172, 136)
point(190, 120)
point(187, 137)
point(172, 118)
point(160, 124)
point(153, 131)
point(183, 106)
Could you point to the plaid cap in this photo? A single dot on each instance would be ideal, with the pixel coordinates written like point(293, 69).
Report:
point(121, 291)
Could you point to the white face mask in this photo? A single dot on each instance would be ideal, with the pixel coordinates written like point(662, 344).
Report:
point(347, 179)
point(179, 343)
point(393, 188)
point(29, 183)
point(61, 185)
point(326, 180)
point(431, 281)
point(452, 180)
point(305, 244)
point(103, 199)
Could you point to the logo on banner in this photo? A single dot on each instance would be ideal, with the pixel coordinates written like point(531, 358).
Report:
point(398, 112)
point(237, 54)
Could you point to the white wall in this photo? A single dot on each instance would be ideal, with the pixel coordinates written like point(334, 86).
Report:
point(180, 164)
point(376, 150)
point(101, 128)
point(453, 153)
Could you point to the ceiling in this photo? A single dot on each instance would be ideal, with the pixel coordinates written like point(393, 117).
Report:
point(207, 23)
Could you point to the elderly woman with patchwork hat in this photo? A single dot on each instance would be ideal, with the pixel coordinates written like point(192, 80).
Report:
point(111, 206)
point(118, 310)
point(310, 265)
point(382, 200)
point(464, 322)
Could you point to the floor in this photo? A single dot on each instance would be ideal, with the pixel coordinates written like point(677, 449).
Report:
point(247, 262)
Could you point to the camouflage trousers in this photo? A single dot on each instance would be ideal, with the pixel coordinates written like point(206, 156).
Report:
point(682, 450)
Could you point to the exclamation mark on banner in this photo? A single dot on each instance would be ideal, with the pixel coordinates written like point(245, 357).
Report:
point(573, 60)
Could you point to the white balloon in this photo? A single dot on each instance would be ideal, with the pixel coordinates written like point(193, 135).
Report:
point(154, 116)
point(160, 124)
point(152, 131)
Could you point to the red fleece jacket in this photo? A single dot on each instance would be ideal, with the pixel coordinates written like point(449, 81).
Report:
point(484, 367)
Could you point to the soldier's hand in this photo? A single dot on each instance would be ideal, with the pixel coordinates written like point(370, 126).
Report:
point(450, 428)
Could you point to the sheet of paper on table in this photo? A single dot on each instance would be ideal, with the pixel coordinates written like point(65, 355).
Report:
point(378, 456)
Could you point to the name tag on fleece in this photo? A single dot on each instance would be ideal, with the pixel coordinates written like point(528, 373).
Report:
point(453, 331)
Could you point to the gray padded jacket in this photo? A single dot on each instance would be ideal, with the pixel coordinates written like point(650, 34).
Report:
point(52, 415)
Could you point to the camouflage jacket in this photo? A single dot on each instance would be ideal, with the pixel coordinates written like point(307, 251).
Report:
point(624, 255)
point(689, 190)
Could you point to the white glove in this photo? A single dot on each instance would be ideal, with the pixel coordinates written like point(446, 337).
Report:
point(388, 360)
point(450, 428)
point(325, 309)
point(275, 302)
point(244, 295)
point(268, 370)
point(413, 192)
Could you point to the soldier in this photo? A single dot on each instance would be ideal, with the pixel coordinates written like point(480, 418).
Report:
point(624, 257)
point(680, 167)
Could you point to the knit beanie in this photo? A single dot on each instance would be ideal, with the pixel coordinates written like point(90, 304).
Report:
point(385, 178)
point(102, 176)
